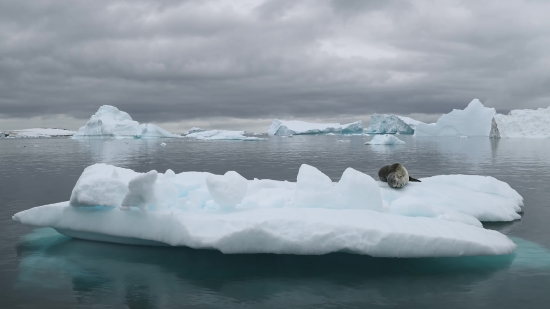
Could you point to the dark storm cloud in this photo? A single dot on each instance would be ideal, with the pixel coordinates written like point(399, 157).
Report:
point(176, 60)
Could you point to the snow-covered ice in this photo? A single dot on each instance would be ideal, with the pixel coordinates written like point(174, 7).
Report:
point(38, 132)
point(382, 124)
point(385, 139)
point(294, 127)
point(474, 120)
point(437, 217)
point(522, 123)
point(109, 121)
point(410, 122)
point(194, 130)
point(223, 135)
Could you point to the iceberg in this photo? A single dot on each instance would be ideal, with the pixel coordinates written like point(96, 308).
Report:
point(437, 217)
point(410, 122)
point(109, 121)
point(194, 130)
point(295, 127)
point(223, 135)
point(382, 124)
point(522, 123)
point(474, 120)
point(385, 139)
point(38, 132)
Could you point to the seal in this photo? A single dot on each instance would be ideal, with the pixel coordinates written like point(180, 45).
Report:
point(395, 175)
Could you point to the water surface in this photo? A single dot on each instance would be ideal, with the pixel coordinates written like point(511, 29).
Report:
point(40, 268)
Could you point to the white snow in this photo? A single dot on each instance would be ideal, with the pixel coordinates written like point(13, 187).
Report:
point(474, 120)
point(294, 127)
point(385, 139)
point(437, 217)
point(522, 123)
point(227, 190)
point(109, 121)
point(38, 132)
point(223, 135)
point(382, 123)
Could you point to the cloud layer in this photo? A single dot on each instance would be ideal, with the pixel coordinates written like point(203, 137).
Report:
point(177, 61)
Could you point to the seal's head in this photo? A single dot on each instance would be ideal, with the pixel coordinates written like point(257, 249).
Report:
point(399, 178)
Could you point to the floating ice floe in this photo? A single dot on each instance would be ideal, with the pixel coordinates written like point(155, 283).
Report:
point(474, 120)
point(437, 217)
point(109, 121)
point(294, 127)
point(385, 139)
point(381, 124)
point(522, 123)
point(37, 132)
point(223, 135)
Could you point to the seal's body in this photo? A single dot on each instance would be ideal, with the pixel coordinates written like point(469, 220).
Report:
point(395, 175)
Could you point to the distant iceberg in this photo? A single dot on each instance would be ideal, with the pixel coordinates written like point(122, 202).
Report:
point(474, 120)
point(383, 124)
point(385, 139)
point(38, 132)
point(194, 130)
point(410, 122)
point(223, 135)
point(109, 121)
point(314, 215)
point(294, 127)
point(522, 123)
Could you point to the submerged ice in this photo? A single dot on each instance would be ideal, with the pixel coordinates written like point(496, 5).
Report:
point(438, 217)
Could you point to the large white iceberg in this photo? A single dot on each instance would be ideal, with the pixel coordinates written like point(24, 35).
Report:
point(382, 124)
point(223, 135)
point(437, 217)
point(109, 121)
point(294, 127)
point(522, 123)
point(385, 139)
point(38, 132)
point(474, 120)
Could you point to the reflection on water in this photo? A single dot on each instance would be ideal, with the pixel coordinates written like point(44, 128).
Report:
point(138, 274)
point(46, 269)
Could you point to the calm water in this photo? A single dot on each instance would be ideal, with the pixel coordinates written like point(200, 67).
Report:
point(42, 269)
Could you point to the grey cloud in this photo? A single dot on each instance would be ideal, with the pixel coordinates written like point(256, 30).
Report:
point(174, 60)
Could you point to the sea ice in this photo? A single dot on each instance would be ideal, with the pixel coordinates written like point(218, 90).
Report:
point(37, 132)
point(522, 123)
point(382, 124)
point(109, 121)
point(437, 217)
point(223, 135)
point(295, 127)
point(385, 139)
point(474, 120)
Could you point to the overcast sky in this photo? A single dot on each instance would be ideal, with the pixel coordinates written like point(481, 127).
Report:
point(239, 64)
